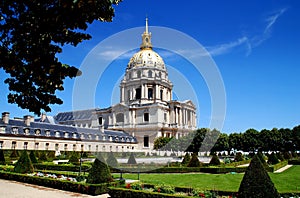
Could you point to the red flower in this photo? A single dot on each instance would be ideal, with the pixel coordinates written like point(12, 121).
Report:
point(128, 185)
point(158, 190)
point(201, 195)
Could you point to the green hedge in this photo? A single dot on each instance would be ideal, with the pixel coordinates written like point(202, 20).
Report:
point(62, 167)
point(91, 189)
point(294, 162)
point(130, 193)
point(277, 166)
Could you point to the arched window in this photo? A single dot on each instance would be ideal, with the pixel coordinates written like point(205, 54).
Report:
point(150, 93)
point(120, 117)
point(100, 120)
point(138, 93)
point(138, 74)
point(161, 94)
point(150, 74)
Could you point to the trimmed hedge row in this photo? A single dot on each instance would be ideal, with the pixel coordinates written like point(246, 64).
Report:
point(277, 166)
point(294, 162)
point(61, 167)
point(214, 170)
point(91, 189)
point(130, 193)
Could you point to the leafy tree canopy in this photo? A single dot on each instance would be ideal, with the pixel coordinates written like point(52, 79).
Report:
point(32, 33)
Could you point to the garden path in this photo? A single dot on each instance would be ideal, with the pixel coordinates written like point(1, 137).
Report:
point(13, 189)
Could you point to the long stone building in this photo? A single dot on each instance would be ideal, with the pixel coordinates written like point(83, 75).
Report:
point(146, 111)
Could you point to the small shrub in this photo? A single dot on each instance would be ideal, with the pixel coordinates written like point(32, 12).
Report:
point(99, 173)
point(24, 165)
point(2, 158)
point(287, 155)
point(215, 161)
point(131, 159)
point(256, 182)
point(111, 160)
point(164, 189)
point(74, 159)
point(194, 162)
point(186, 159)
point(238, 157)
point(43, 156)
point(280, 156)
point(32, 157)
point(273, 159)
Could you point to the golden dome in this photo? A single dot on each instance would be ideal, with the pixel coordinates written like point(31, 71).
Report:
point(146, 58)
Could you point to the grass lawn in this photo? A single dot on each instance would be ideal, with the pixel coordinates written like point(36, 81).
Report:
point(288, 181)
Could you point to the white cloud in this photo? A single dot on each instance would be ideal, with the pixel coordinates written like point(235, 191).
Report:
point(227, 47)
point(272, 19)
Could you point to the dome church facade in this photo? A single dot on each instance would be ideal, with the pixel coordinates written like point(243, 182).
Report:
point(146, 109)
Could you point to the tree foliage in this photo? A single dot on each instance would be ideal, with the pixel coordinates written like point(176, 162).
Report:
point(256, 182)
point(24, 164)
point(74, 158)
point(32, 33)
point(99, 173)
point(162, 143)
point(272, 159)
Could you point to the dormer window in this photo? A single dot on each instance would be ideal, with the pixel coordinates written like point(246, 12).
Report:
point(74, 135)
point(26, 131)
point(90, 136)
point(2, 129)
point(66, 135)
point(37, 132)
point(47, 132)
point(82, 136)
point(14, 130)
point(57, 134)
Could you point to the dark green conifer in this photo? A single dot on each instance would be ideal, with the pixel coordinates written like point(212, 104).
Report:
point(194, 162)
point(2, 158)
point(131, 159)
point(272, 159)
point(32, 157)
point(215, 161)
point(111, 160)
point(74, 158)
point(186, 159)
point(99, 172)
point(24, 164)
point(256, 182)
point(43, 156)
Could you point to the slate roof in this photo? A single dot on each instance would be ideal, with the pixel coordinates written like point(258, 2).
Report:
point(48, 130)
point(88, 114)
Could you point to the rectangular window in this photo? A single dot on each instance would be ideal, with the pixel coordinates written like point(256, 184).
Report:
point(47, 133)
point(13, 145)
point(165, 117)
point(1, 144)
point(100, 121)
point(2, 129)
point(146, 141)
point(138, 93)
point(150, 93)
point(36, 146)
point(25, 145)
point(74, 147)
point(47, 146)
point(15, 130)
point(146, 117)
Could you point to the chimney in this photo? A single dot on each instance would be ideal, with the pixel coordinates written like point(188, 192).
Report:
point(5, 117)
point(28, 119)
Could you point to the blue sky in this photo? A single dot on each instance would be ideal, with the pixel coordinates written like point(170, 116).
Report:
point(255, 45)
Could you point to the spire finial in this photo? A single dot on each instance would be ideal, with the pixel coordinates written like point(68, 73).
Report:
point(146, 38)
point(146, 25)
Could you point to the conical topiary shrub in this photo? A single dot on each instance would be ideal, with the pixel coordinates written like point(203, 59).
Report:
point(74, 158)
point(238, 157)
point(131, 159)
point(111, 160)
point(24, 165)
point(186, 159)
point(2, 158)
point(99, 172)
point(280, 156)
point(14, 154)
point(32, 157)
point(273, 159)
point(215, 161)
point(43, 156)
point(194, 162)
point(261, 157)
point(256, 182)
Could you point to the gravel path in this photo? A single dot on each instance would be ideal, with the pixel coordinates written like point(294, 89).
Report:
point(13, 189)
point(283, 169)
